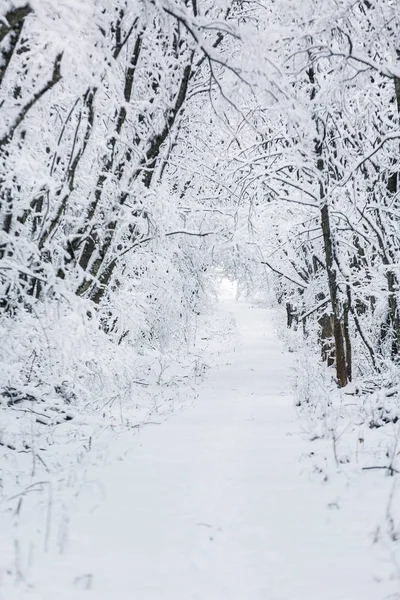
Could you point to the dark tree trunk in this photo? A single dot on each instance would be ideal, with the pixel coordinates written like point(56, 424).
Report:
point(340, 354)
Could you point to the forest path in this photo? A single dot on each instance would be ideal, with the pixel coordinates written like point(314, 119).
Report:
point(216, 503)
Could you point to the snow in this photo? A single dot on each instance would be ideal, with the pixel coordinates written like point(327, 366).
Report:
point(218, 502)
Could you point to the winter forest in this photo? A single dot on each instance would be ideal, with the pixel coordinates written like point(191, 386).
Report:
point(150, 149)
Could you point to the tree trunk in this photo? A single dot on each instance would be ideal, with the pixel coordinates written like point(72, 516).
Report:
point(340, 354)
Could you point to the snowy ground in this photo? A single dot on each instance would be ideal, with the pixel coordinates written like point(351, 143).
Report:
point(220, 502)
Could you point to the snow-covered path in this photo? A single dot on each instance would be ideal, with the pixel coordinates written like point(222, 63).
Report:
point(213, 504)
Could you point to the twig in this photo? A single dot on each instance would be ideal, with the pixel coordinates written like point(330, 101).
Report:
point(264, 262)
point(391, 470)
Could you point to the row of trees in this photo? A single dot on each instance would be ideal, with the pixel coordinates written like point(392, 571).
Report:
point(322, 176)
point(89, 118)
point(100, 213)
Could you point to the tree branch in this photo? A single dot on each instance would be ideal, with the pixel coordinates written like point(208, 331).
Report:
point(301, 285)
point(55, 78)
